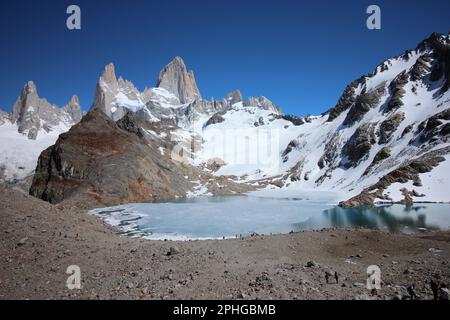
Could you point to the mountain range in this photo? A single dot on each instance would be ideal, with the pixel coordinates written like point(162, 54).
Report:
point(386, 139)
point(31, 126)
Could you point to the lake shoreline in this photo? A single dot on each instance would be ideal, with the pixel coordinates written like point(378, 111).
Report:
point(220, 218)
point(39, 241)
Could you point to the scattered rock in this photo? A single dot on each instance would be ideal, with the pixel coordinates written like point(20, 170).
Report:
point(362, 297)
point(173, 251)
point(311, 264)
point(408, 271)
point(242, 295)
point(22, 241)
point(359, 284)
point(444, 294)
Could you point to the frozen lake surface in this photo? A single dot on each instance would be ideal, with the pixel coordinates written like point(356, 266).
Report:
point(218, 217)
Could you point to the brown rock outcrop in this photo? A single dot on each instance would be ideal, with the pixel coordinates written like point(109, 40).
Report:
point(97, 159)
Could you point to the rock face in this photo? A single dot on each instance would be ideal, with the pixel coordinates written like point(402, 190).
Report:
point(115, 96)
point(73, 109)
point(363, 103)
point(440, 63)
point(389, 126)
point(4, 117)
point(359, 145)
point(421, 67)
point(397, 89)
point(407, 172)
point(264, 103)
point(346, 100)
point(331, 152)
point(234, 97)
point(32, 113)
point(435, 128)
point(99, 160)
point(176, 79)
point(217, 118)
point(381, 155)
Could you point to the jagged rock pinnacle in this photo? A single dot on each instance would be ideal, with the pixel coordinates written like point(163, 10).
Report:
point(109, 74)
point(73, 108)
point(176, 79)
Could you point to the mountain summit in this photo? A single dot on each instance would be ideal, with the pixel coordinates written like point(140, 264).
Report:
point(176, 98)
point(33, 125)
point(114, 96)
point(176, 79)
point(32, 114)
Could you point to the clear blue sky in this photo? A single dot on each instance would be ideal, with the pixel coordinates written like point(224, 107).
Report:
point(300, 54)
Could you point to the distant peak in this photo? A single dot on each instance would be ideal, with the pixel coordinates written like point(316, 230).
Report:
point(74, 109)
point(435, 37)
point(74, 100)
point(234, 97)
point(176, 79)
point(29, 88)
point(434, 40)
point(109, 74)
point(179, 61)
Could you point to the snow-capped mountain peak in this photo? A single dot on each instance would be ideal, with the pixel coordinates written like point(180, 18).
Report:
point(176, 79)
point(31, 126)
point(176, 98)
point(115, 96)
point(32, 114)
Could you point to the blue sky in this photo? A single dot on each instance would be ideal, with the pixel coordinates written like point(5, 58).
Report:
point(300, 55)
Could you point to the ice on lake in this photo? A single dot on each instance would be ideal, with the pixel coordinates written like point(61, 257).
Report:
point(218, 217)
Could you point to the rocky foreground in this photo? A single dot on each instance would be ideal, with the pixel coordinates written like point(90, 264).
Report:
point(38, 241)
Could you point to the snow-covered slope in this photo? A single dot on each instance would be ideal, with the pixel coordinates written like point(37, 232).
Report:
point(387, 128)
point(19, 154)
point(384, 121)
point(31, 127)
